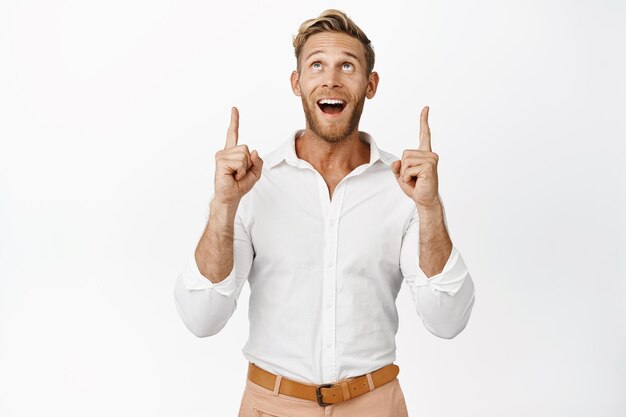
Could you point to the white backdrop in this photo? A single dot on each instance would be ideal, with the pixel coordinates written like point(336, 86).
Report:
point(110, 116)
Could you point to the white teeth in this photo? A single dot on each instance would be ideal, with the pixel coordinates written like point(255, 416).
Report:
point(330, 101)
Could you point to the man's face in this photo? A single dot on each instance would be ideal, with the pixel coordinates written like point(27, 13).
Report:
point(333, 82)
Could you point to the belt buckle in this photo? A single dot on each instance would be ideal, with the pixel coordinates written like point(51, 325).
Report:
point(319, 394)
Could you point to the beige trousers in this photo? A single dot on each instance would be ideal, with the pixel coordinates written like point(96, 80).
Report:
point(384, 401)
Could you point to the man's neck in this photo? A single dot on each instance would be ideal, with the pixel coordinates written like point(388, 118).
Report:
point(337, 158)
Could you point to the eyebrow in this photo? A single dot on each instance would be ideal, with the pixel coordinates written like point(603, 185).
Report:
point(350, 54)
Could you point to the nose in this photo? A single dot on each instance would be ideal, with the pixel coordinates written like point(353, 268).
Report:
point(332, 79)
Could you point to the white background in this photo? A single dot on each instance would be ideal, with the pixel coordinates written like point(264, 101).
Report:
point(110, 116)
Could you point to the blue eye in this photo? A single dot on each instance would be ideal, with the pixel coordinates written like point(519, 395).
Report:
point(348, 65)
point(316, 65)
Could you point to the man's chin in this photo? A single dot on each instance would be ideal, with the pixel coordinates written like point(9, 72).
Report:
point(331, 130)
point(331, 134)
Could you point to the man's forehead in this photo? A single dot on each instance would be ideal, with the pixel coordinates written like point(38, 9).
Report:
point(333, 43)
point(343, 53)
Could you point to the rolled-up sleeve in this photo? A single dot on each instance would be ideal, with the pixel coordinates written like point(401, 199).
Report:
point(205, 307)
point(444, 301)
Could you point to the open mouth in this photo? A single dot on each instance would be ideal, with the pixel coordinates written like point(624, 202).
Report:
point(331, 105)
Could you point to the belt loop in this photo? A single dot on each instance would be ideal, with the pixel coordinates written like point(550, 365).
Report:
point(277, 384)
point(370, 381)
point(345, 391)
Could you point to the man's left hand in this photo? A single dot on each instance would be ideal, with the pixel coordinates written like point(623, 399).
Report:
point(416, 172)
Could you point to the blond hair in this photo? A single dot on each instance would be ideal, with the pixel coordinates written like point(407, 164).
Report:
point(333, 20)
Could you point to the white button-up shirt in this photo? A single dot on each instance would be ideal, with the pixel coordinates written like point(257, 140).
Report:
point(324, 273)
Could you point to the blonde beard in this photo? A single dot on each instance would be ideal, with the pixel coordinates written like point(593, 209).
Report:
point(333, 133)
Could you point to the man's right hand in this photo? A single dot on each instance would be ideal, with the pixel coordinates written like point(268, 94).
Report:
point(236, 169)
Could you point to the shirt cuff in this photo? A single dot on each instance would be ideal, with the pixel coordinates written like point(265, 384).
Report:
point(195, 281)
point(449, 280)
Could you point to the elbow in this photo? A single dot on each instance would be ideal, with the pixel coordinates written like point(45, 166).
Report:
point(202, 329)
point(204, 313)
point(448, 323)
point(457, 323)
point(199, 333)
point(200, 322)
point(203, 332)
point(448, 332)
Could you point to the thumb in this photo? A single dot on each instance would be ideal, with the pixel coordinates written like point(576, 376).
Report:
point(395, 167)
point(257, 163)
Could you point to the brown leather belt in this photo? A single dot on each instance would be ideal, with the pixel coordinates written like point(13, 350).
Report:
point(325, 394)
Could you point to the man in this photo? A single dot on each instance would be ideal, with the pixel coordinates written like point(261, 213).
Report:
point(325, 230)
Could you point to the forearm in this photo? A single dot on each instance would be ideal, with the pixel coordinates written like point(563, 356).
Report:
point(214, 253)
point(225, 254)
point(443, 300)
point(435, 245)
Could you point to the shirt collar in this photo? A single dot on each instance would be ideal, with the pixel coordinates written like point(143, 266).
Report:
point(287, 151)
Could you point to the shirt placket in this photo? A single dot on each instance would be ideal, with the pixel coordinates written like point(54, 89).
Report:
point(329, 283)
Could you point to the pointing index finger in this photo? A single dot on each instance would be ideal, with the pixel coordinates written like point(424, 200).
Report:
point(233, 130)
point(424, 131)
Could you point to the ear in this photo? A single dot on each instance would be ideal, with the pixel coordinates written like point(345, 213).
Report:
point(372, 84)
point(295, 85)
